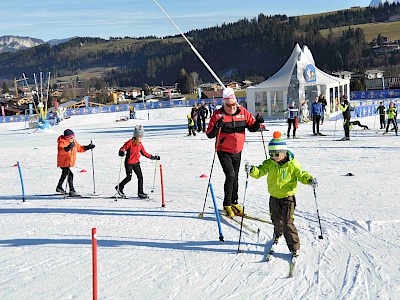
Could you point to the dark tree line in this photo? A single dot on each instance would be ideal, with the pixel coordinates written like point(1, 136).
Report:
point(247, 49)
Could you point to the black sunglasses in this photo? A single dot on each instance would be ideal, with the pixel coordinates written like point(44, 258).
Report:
point(274, 154)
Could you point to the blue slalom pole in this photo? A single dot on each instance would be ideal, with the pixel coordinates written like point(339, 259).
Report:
point(221, 237)
point(22, 182)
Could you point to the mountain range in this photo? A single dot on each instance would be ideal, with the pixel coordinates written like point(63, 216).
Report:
point(10, 43)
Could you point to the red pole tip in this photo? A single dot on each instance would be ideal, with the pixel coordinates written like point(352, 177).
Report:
point(16, 165)
point(83, 171)
point(203, 176)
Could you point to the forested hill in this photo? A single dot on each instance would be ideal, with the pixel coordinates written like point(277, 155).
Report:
point(247, 49)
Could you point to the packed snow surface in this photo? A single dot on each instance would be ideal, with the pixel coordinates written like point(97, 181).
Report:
point(149, 252)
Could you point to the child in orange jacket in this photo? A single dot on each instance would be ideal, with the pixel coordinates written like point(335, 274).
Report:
point(134, 149)
point(66, 157)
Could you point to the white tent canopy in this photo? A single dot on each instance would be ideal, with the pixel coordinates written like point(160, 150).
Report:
point(298, 80)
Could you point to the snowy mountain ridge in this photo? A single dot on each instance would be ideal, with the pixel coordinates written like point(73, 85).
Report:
point(9, 43)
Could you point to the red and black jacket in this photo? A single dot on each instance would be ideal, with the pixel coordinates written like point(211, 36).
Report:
point(232, 136)
point(133, 152)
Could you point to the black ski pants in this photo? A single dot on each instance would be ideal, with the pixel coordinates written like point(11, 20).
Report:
point(66, 172)
point(138, 171)
point(282, 216)
point(290, 123)
point(382, 121)
point(315, 123)
point(191, 130)
point(394, 122)
point(230, 163)
point(346, 127)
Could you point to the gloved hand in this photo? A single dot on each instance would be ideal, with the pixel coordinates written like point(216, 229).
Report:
point(259, 118)
point(155, 157)
point(90, 146)
point(248, 168)
point(314, 183)
point(220, 123)
point(70, 146)
point(121, 153)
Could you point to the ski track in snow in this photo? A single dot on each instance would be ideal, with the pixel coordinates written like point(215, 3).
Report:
point(149, 252)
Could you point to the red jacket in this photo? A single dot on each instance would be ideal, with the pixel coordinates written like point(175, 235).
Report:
point(232, 136)
point(67, 158)
point(133, 152)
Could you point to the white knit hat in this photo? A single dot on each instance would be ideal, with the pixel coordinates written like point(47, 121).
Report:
point(228, 94)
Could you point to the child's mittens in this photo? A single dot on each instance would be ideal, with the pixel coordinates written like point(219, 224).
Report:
point(248, 168)
point(314, 183)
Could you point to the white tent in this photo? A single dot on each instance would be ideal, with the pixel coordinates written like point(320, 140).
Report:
point(298, 80)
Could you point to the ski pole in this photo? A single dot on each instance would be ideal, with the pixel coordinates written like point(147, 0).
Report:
point(209, 177)
point(69, 171)
point(221, 236)
point(375, 122)
point(241, 221)
point(94, 184)
point(319, 220)
point(154, 177)
point(22, 182)
point(119, 177)
point(265, 150)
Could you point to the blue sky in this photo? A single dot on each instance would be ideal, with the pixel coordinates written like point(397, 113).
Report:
point(57, 19)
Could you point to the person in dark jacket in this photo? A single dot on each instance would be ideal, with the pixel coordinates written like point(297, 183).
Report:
point(316, 112)
point(322, 100)
point(292, 115)
point(228, 125)
point(382, 114)
point(344, 106)
point(134, 149)
point(67, 148)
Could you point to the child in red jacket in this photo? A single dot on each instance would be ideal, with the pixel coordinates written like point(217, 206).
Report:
point(67, 147)
point(134, 149)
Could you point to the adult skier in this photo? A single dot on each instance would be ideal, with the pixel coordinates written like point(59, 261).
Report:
point(228, 124)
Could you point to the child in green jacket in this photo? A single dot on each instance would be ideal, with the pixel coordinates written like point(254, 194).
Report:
point(283, 173)
point(392, 114)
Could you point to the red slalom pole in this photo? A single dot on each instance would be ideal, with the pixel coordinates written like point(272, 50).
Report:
point(94, 262)
point(162, 188)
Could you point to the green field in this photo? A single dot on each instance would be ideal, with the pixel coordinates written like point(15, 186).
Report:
point(391, 30)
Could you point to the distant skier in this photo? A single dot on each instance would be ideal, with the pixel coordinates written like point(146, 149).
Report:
point(283, 172)
point(229, 125)
point(66, 157)
point(358, 123)
point(392, 114)
point(316, 112)
point(382, 114)
point(344, 106)
point(322, 100)
point(191, 125)
point(134, 149)
point(292, 118)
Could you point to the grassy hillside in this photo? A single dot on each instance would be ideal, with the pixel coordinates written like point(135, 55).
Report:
point(305, 19)
point(391, 30)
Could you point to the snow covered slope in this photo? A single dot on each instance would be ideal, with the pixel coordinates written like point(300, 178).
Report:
point(149, 252)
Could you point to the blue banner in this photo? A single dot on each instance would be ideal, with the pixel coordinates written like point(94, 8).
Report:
point(380, 94)
point(122, 107)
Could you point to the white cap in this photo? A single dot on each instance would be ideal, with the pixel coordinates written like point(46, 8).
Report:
point(228, 94)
